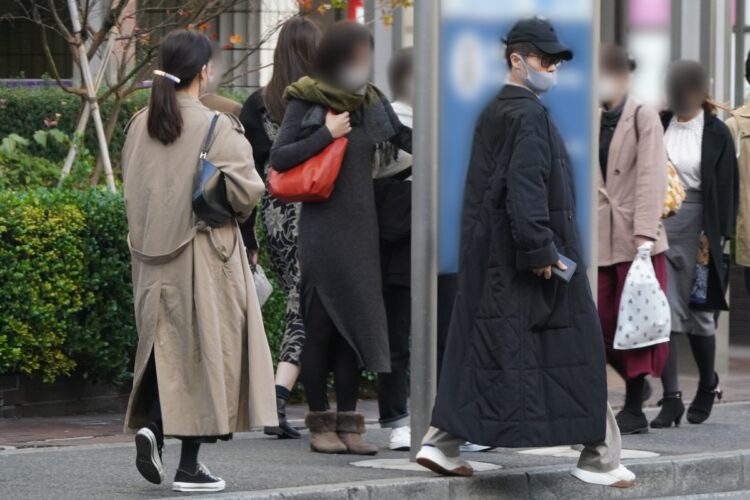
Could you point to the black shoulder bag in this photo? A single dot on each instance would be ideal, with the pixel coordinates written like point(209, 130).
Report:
point(210, 202)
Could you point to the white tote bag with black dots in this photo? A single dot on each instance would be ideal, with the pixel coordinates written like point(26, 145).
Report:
point(644, 317)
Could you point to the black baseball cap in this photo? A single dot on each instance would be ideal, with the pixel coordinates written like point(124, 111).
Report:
point(539, 33)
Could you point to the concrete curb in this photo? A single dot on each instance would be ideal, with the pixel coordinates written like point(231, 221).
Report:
point(657, 477)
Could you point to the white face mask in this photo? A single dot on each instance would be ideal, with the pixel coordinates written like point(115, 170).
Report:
point(354, 78)
point(609, 89)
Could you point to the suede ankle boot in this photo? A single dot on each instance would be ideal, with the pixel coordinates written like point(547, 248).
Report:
point(350, 426)
point(323, 437)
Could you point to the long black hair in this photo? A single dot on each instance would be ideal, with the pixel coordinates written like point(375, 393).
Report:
point(338, 47)
point(182, 54)
point(293, 59)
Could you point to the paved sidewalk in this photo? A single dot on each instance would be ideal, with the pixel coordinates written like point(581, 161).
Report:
point(89, 457)
point(254, 465)
point(107, 428)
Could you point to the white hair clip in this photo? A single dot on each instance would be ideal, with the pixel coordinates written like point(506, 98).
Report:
point(166, 75)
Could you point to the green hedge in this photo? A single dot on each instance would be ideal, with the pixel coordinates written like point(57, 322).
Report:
point(24, 171)
point(23, 111)
point(65, 301)
point(65, 292)
point(274, 310)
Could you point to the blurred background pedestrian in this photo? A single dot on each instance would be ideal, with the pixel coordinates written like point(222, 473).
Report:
point(739, 126)
point(701, 148)
point(632, 187)
point(393, 201)
point(261, 116)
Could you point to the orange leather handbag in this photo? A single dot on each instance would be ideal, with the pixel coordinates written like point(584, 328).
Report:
point(312, 180)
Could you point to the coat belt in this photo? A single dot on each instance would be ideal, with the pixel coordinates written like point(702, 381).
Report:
point(173, 254)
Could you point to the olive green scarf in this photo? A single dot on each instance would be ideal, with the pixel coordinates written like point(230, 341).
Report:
point(319, 92)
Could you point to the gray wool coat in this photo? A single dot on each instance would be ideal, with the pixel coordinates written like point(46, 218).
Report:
point(338, 238)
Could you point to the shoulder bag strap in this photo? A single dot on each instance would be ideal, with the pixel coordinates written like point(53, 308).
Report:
point(209, 136)
point(635, 123)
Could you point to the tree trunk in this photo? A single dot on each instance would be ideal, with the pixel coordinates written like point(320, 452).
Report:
point(109, 130)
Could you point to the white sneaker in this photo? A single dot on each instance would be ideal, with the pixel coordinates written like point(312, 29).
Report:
point(623, 473)
point(400, 438)
point(437, 461)
point(618, 478)
point(468, 447)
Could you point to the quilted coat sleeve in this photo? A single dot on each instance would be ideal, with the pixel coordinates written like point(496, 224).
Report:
point(527, 200)
point(232, 154)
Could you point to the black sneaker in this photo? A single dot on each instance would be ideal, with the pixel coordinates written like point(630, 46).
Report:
point(202, 480)
point(148, 456)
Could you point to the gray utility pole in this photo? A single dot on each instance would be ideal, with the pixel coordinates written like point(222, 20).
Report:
point(424, 220)
point(739, 54)
point(91, 94)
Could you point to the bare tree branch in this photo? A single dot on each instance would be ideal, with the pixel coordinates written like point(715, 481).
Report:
point(61, 25)
point(51, 61)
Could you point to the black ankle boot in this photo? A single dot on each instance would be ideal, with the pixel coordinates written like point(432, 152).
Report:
point(703, 402)
point(631, 423)
point(284, 430)
point(672, 410)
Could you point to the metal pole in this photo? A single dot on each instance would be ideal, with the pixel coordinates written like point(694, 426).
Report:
point(397, 29)
point(675, 31)
point(424, 221)
point(739, 54)
point(86, 112)
point(593, 270)
point(91, 94)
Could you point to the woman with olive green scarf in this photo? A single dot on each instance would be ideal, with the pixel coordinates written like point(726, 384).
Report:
point(341, 296)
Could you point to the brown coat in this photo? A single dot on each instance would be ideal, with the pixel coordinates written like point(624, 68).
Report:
point(632, 198)
point(739, 126)
point(195, 303)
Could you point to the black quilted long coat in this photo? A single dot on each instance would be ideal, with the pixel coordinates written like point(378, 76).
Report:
point(524, 363)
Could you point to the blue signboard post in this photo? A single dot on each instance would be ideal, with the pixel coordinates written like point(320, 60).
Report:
point(472, 70)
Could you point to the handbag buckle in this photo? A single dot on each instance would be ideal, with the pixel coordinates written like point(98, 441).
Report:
point(203, 155)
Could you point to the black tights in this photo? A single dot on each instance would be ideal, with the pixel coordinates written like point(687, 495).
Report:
point(634, 394)
point(325, 350)
point(190, 446)
point(633, 388)
point(704, 353)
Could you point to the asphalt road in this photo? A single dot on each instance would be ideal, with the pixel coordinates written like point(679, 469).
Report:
point(254, 462)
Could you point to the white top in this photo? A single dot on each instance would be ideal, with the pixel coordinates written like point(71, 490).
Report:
point(683, 141)
point(404, 112)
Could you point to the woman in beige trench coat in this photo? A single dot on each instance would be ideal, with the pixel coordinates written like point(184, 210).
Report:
point(203, 367)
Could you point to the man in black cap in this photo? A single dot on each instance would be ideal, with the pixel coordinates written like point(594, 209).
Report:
point(524, 361)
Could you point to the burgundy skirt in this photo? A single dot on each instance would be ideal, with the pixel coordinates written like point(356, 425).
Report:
point(632, 362)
